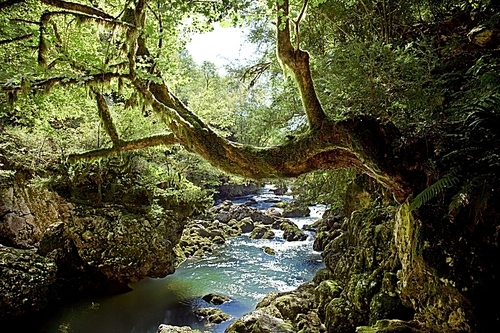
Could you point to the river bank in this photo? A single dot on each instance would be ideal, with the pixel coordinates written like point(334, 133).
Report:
point(239, 269)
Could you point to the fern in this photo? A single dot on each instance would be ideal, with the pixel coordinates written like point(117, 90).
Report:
point(449, 180)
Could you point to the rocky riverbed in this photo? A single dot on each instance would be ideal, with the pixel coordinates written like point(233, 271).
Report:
point(228, 220)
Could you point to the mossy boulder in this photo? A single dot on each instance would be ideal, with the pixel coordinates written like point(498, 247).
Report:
point(392, 326)
point(291, 232)
point(27, 282)
point(212, 315)
point(124, 246)
point(262, 232)
point(325, 292)
point(259, 321)
point(296, 210)
point(216, 299)
point(342, 316)
point(269, 250)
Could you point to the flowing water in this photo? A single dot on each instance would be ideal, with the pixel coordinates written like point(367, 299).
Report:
point(239, 269)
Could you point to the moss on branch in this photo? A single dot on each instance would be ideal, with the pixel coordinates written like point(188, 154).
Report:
point(151, 141)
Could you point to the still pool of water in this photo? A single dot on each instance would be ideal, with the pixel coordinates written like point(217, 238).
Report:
point(239, 269)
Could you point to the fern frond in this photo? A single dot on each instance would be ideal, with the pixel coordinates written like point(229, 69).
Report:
point(434, 190)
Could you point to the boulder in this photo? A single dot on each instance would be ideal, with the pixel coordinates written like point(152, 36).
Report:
point(262, 232)
point(269, 250)
point(123, 246)
point(291, 232)
point(259, 321)
point(296, 210)
point(246, 225)
point(163, 328)
point(26, 282)
point(283, 312)
point(212, 315)
point(216, 299)
point(280, 190)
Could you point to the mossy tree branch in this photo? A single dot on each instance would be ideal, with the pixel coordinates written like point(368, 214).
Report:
point(151, 141)
point(78, 8)
point(62, 81)
point(16, 39)
point(106, 118)
point(363, 143)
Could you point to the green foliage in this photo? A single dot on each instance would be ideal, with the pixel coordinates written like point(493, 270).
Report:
point(439, 187)
point(328, 187)
point(473, 161)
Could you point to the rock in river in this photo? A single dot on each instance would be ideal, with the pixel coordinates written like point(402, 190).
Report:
point(177, 329)
point(216, 299)
point(212, 315)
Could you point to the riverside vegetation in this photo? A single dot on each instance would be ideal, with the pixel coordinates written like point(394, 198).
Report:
point(386, 111)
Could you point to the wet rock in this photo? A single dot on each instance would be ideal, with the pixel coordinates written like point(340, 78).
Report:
point(250, 202)
point(216, 299)
point(258, 321)
point(26, 281)
point(280, 190)
point(212, 315)
point(392, 326)
point(262, 232)
point(291, 232)
point(246, 225)
point(283, 312)
point(269, 250)
point(218, 240)
point(163, 328)
point(296, 210)
point(274, 212)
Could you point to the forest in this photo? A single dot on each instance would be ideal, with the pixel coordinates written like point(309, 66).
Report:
point(387, 112)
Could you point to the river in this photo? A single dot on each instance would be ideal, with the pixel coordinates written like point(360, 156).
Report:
point(239, 269)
